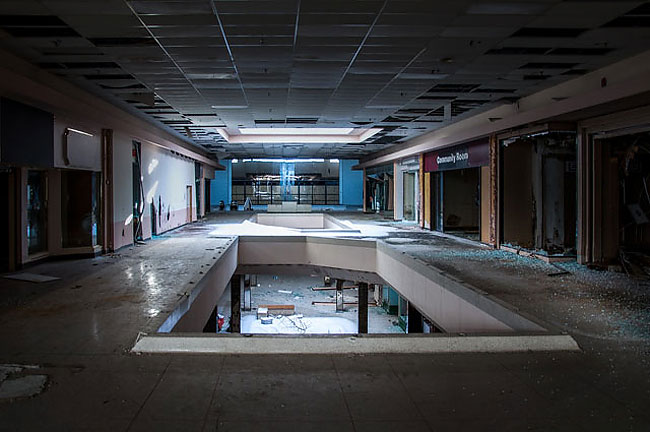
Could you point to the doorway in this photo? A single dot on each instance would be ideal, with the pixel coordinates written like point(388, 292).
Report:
point(409, 196)
point(80, 208)
point(198, 174)
point(138, 194)
point(538, 200)
point(621, 190)
point(461, 202)
point(436, 201)
point(36, 212)
point(189, 204)
point(206, 196)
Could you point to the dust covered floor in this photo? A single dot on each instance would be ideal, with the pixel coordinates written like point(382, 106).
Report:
point(76, 332)
point(298, 291)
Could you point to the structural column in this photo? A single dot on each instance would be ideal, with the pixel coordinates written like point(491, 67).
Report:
point(247, 294)
point(211, 326)
point(414, 320)
point(340, 305)
point(236, 283)
point(363, 307)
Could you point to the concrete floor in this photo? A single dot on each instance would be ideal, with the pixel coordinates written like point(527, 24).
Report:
point(78, 331)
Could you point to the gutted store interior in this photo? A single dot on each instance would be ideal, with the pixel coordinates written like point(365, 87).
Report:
point(539, 192)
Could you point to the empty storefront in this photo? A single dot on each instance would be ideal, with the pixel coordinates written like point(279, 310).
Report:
point(615, 191)
point(407, 190)
point(455, 183)
point(538, 191)
point(379, 189)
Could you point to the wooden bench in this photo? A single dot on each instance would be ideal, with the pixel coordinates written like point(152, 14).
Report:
point(279, 309)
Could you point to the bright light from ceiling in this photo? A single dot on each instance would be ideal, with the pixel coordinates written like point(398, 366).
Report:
point(296, 131)
point(297, 135)
point(282, 160)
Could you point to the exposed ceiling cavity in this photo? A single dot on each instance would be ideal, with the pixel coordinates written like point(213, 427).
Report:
point(406, 67)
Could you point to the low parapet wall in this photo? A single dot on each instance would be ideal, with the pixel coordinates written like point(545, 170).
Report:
point(472, 320)
point(452, 305)
point(301, 221)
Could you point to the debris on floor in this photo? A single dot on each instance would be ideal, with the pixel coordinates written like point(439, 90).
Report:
point(16, 381)
point(297, 324)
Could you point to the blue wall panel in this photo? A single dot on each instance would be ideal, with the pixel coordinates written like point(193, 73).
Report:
point(350, 183)
point(221, 186)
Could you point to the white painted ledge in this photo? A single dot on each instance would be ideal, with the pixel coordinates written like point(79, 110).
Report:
point(366, 344)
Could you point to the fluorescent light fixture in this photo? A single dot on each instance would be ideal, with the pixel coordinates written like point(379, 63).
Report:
point(297, 135)
point(80, 132)
point(296, 131)
point(282, 160)
point(214, 76)
point(229, 106)
point(334, 161)
point(235, 161)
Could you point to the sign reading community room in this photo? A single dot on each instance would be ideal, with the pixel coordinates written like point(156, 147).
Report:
point(468, 155)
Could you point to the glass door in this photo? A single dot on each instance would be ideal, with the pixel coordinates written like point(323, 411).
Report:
point(36, 212)
point(409, 196)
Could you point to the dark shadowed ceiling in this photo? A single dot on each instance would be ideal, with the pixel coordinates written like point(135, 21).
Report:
point(406, 66)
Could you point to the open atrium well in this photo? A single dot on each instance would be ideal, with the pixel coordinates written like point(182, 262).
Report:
point(325, 215)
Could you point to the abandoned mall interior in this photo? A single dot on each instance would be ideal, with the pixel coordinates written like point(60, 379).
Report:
point(325, 215)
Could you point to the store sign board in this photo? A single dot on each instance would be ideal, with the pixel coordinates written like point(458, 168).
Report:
point(468, 155)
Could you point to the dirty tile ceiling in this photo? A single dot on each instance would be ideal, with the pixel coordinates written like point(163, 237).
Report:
point(407, 66)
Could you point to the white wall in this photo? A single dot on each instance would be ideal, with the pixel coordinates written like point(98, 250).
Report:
point(122, 190)
point(167, 176)
point(164, 175)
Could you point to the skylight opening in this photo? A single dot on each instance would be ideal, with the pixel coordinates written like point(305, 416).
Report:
point(297, 135)
point(296, 131)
